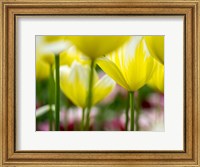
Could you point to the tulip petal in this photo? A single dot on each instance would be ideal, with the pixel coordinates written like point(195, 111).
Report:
point(77, 85)
point(42, 69)
point(97, 46)
point(52, 38)
point(102, 88)
point(131, 66)
point(56, 47)
point(69, 83)
point(64, 74)
point(157, 79)
point(124, 59)
point(140, 67)
point(70, 55)
point(48, 58)
point(74, 82)
point(49, 46)
point(113, 71)
point(155, 45)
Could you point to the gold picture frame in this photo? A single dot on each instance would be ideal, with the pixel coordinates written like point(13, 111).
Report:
point(10, 9)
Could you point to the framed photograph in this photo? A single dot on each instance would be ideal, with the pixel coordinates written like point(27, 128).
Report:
point(113, 83)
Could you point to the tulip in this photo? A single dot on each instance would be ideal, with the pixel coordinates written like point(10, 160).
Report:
point(73, 83)
point(157, 79)
point(94, 47)
point(97, 46)
point(131, 66)
point(42, 69)
point(49, 49)
point(72, 54)
point(53, 38)
point(155, 45)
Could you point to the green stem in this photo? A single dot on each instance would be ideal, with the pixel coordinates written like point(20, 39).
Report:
point(83, 119)
point(131, 97)
point(89, 98)
point(127, 114)
point(51, 82)
point(57, 93)
point(138, 112)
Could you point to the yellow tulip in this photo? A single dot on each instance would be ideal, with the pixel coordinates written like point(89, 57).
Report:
point(157, 79)
point(67, 57)
point(74, 84)
point(53, 38)
point(42, 70)
point(47, 47)
point(44, 60)
point(97, 46)
point(155, 45)
point(70, 55)
point(46, 57)
point(131, 66)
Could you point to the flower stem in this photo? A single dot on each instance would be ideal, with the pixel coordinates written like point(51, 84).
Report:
point(89, 97)
point(138, 112)
point(57, 93)
point(127, 114)
point(83, 119)
point(131, 97)
point(51, 88)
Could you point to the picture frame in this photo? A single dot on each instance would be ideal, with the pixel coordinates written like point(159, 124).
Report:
point(190, 156)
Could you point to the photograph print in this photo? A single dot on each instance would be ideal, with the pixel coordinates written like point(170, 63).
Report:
point(99, 83)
